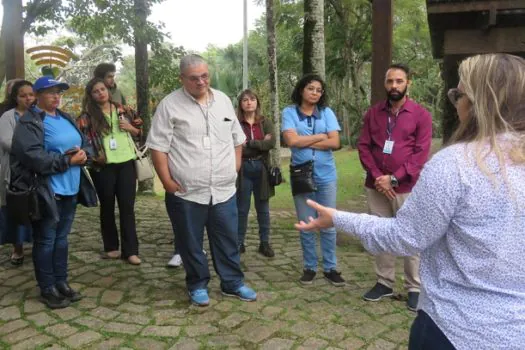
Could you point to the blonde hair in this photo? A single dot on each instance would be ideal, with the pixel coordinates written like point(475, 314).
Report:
point(495, 86)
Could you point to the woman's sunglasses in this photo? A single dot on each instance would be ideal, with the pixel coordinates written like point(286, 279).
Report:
point(454, 95)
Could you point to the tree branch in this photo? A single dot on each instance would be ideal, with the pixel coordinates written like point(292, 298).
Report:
point(34, 9)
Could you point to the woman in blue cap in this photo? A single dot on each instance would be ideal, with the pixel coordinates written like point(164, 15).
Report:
point(47, 153)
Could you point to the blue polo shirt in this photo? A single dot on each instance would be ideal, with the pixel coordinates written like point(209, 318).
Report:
point(324, 121)
point(59, 136)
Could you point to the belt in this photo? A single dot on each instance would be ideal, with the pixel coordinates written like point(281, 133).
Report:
point(253, 158)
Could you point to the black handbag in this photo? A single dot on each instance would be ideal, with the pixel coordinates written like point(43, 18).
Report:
point(302, 178)
point(23, 206)
point(274, 175)
point(302, 175)
point(87, 196)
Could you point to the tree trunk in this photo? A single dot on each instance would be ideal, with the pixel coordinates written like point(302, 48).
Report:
point(272, 79)
point(313, 49)
point(142, 77)
point(12, 40)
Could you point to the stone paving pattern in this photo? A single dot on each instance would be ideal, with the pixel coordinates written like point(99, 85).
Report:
point(146, 306)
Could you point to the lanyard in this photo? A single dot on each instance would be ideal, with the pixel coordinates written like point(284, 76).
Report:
point(111, 119)
point(390, 127)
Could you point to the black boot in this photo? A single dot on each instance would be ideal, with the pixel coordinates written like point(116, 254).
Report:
point(53, 299)
point(68, 292)
point(266, 250)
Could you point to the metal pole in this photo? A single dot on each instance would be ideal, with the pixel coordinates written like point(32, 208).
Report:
point(245, 48)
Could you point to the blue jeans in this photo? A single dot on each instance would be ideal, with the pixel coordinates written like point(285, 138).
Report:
point(50, 246)
point(426, 335)
point(251, 182)
point(189, 220)
point(326, 195)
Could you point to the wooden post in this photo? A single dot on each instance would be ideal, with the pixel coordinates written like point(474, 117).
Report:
point(381, 46)
point(14, 39)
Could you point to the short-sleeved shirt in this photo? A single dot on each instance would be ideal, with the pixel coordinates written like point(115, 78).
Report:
point(124, 150)
point(200, 141)
point(59, 136)
point(324, 121)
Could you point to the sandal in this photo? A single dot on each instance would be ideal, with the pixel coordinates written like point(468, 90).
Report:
point(17, 260)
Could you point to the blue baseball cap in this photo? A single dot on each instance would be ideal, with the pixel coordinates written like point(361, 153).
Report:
point(47, 82)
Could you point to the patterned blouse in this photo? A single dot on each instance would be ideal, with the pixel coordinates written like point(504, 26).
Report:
point(95, 139)
point(469, 229)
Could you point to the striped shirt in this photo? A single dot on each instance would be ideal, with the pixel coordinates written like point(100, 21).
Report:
point(469, 230)
point(200, 141)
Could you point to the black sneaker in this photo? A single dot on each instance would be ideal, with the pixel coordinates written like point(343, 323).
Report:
point(68, 292)
point(335, 278)
point(413, 298)
point(53, 299)
point(308, 276)
point(378, 292)
point(242, 248)
point(266, 250)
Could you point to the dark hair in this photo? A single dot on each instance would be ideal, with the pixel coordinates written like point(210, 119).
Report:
point(402, 67)
point(102, 69)
point(240, 112)
point(297, 97)
point(11, 102)
point(99, 124)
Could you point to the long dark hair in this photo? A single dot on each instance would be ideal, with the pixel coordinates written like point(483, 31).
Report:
point(297, 97)
point(11, 101)
point(240, 112)
point(99, 124)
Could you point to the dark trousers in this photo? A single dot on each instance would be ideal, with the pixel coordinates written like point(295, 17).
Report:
point(50, 245)
point(426, 335)
point(220, 220)
point(251, 182)
point(117, 181)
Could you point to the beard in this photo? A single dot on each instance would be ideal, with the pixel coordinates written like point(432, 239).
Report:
point(394, 95)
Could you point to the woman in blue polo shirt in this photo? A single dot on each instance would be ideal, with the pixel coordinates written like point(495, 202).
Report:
point(311, 130)
point(46, 153)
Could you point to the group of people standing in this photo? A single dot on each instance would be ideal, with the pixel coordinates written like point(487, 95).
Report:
point(465, 214)
point(44, 152)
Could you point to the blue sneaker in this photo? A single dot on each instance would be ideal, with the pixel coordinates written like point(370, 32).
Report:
point(244, 293)
point(199, 297)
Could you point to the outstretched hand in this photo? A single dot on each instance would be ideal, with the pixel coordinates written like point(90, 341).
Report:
point(324, 218)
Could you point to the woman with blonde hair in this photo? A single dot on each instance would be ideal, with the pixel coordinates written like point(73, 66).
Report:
point(465, 216)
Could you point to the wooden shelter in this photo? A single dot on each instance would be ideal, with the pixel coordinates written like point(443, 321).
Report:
point(462, 28)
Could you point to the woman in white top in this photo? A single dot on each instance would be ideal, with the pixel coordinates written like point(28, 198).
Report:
point(466, 216)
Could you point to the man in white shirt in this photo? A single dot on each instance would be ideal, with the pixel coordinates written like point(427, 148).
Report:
point(196, 145)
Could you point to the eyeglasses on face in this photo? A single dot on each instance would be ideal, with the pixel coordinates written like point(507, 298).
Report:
point(196, 78)
point(454, 95)
point(312, 89)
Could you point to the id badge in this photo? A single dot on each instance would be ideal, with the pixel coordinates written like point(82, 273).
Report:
point(206, 142)
point(389, 147)
point(112, 144)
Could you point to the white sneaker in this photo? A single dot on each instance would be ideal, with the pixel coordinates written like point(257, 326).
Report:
point(176, 261)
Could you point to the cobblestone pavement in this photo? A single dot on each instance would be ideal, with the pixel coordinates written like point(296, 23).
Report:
point(146, 306)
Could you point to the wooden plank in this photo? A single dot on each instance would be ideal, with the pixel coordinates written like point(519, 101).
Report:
point(382, 29)
point(453, 7)
point(459, 42)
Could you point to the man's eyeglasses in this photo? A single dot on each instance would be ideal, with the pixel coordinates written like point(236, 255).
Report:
point(454, 95)
point(311, 89)
point(197, 78)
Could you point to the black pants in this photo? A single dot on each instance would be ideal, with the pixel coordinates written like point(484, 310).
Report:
point(426, 335)
point(120, 181)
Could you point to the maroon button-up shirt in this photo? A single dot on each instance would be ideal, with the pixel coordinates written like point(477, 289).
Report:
point(412, 136)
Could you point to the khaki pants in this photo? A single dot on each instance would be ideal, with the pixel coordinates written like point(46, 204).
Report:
point(381, 206)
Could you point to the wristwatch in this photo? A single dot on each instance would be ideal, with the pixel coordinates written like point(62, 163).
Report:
point(393, 181)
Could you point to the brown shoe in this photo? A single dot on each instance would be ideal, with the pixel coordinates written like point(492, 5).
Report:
point(134, 260)
point(114, 254)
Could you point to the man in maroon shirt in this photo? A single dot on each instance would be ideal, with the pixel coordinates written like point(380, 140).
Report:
point(393, 146)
